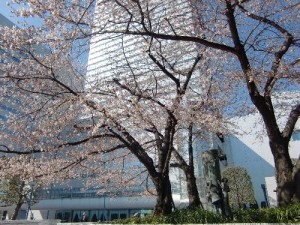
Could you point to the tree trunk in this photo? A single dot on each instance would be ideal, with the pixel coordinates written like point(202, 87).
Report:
point(189, 170)
point(16, 211)
point(284, 172)
point(296, 177)
point(164, 202)
point(286, 178)
point(193, 194)
point(286, 185)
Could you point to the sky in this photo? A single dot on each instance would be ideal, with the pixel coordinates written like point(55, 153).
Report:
point(6, 11)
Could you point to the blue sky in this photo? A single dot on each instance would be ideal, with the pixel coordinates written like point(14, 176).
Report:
point(6, 11)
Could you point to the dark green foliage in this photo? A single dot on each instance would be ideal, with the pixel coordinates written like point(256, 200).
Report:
point(178, 217)
point(290, 214)
point(12, 191)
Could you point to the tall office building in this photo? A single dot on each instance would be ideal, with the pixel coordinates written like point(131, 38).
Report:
point(122, 56)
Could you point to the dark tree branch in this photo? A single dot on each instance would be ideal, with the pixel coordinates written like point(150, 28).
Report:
point(190, 73)
point(292, 120)
point(264, 20)
point(166, 72)
point(129, 66)
point(190, 148)
point(140, 95)
point(172, 28)
point(85, 11)
point(9, 151)
point(135, 148)
point(279, 54)
point(184, 38)
point(26, 51)
point(240, 51)
point(167, 147)
point(181, 162)
point(93, 137)
point(80, 160)
point(142, 15)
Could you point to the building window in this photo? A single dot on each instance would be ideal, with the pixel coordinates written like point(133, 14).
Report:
point(114, 215)
point(118, 214)
point(64, 216)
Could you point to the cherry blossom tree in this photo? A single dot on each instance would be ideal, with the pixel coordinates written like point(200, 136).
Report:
point(250, 44)
point(149, 114)
point(257, 42)
point(129, 123)
point(67, 126)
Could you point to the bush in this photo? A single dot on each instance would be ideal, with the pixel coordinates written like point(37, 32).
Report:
point(290, 214)
point(178, 217)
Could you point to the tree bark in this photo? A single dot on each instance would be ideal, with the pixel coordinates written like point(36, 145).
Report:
point(158, 171)
point(284, 172)
point(287, 181)
point(16, 210)
point(296, 177)
point(189, 170)
point(192, 189)
point(164, 202)
point(193, 194)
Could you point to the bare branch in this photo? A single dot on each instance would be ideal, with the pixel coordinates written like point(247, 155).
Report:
point(292, 120)
point(190, 73)
point(279, 54)
point(240, 50)
point(168, 74)
point(181, 162)
point(9, 151)
point(184, 38)
point(93, 137)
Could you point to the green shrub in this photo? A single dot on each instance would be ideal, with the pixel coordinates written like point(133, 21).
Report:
point(177, 217)
point(290, 214)
point(194, 216)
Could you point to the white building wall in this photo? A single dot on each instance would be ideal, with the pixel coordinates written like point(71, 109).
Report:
point(270, 188)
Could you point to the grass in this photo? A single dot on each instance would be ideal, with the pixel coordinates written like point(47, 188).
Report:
point(290, 214)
